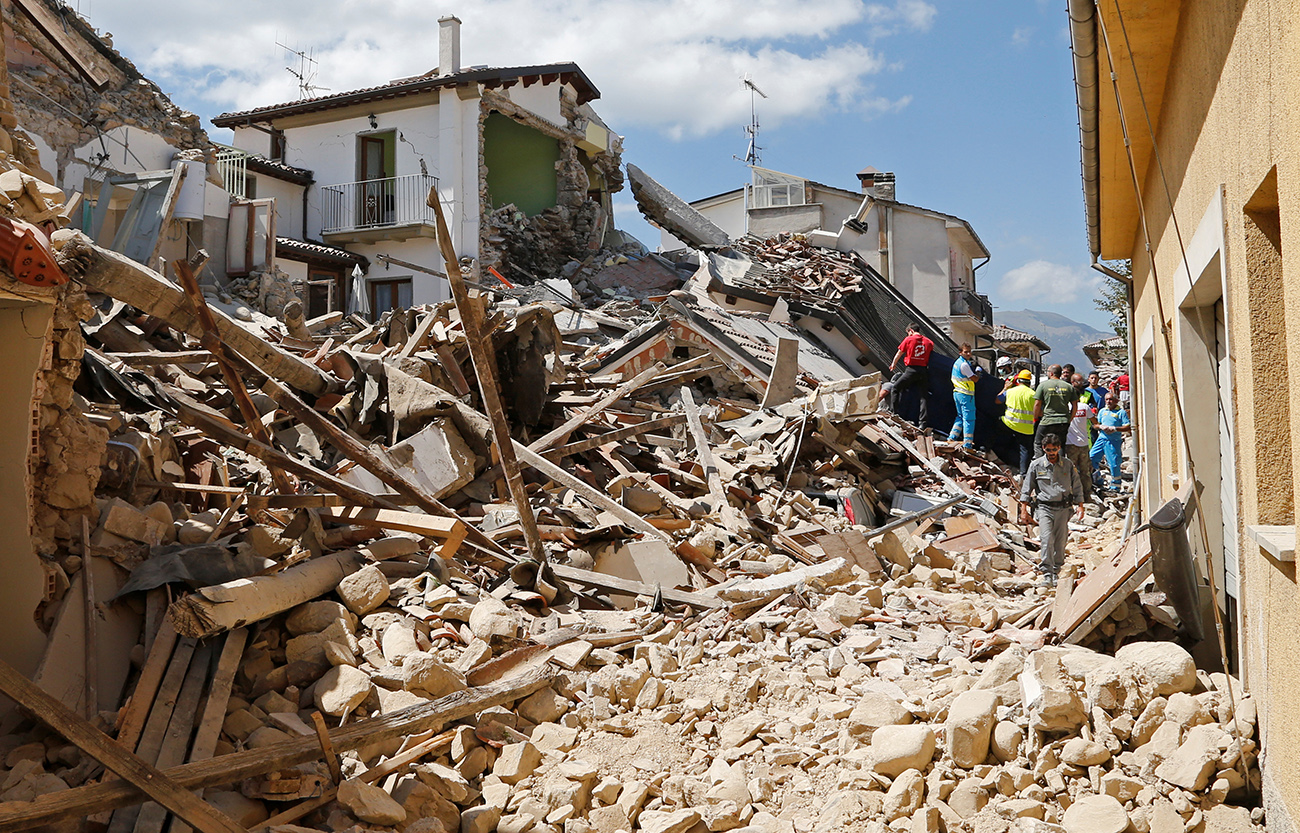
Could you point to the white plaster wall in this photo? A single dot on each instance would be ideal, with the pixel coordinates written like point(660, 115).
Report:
point(919, 261)
point(542, 99)
point(130, 151)
point(728, 215)
point(251, 140)
point(288, 204)
point(836, 207)
point(422, 251)
point(49, 158)
point(296, 270)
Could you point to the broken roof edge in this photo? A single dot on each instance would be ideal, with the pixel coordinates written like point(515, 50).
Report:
point(490, 77)
point(943, 342)
point(668, 211)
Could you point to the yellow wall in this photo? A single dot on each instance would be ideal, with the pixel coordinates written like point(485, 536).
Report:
point(1230, 117)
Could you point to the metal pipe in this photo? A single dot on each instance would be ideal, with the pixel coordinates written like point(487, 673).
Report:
point(1083, 44)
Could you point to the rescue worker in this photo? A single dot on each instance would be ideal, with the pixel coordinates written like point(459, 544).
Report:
point(914, 352)
point(1019, 416)
point(1053, 487)
point(964, 371)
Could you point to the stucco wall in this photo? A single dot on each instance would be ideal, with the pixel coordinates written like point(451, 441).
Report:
point(919, 260)
point(1230, 117)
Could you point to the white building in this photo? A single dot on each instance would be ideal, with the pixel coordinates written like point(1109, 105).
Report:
point(339, 179)
point(928, 255)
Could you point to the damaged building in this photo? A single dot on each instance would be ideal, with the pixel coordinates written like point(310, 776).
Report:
point(928, 255)
point(343, 178)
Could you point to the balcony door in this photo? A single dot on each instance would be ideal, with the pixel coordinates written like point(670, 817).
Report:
point(375, 161)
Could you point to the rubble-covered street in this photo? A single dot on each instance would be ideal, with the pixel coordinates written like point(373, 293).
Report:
point(602, 540)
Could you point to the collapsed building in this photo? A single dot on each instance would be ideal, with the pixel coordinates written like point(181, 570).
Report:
point(519, 151)
point(552, 558)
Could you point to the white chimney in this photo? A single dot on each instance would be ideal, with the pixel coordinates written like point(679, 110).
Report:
point(448, 45)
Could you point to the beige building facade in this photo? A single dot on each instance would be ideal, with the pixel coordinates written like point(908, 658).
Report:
point(1209, 94)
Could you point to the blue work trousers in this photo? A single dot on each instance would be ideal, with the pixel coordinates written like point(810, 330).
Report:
point(1111, 447)
point(964, 427)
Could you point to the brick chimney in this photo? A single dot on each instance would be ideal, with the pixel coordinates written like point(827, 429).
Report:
point(448, 45)
point(878, 184)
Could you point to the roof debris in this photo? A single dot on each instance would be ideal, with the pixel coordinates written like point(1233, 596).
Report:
point(735, 617)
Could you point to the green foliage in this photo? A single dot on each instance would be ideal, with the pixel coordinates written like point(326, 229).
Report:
point(1114, 298)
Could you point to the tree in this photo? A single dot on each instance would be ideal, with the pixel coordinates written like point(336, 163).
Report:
point(1114, 297)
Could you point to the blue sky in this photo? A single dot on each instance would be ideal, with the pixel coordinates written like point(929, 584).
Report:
point(971, 105)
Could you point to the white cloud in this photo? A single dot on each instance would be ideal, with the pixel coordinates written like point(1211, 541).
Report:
point(1022, 36)
point(671, 65)
point(1047, 281)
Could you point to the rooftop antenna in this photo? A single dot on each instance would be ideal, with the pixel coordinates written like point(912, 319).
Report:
point(305, 73)
point(753, 153)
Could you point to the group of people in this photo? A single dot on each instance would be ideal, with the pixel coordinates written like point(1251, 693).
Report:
point(1064, 429)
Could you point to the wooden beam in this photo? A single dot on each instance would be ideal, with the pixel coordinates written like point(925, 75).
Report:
point(617, 435)
point(591, 495)
point(627, 587)
point(82, 56)
point(448, 529)
point(704, 451)
point(228, 769)
point(154, 357)
point(561, 433)
point(142, 776)
point(122, 278)
point(953, 485)
point(485, 369)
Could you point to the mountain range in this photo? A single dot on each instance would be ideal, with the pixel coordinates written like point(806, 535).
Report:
point(1065, 335)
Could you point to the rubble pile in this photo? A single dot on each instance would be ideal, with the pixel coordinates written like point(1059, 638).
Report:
point(805, 616)
point(800, 271)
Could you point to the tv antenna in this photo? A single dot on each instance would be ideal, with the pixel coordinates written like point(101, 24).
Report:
point(305, 73)
point(753, 153)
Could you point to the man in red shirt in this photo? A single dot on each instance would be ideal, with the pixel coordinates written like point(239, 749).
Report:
point(1120, 389)
point(915, 354)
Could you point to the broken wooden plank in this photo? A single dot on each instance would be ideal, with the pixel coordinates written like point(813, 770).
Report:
point(227, 769)
point(703, 450)
point(485, 369)
point(953, 486)
point(99, 746)
point(132, 718)
point(394, 764)
point(214, 709)
point(127, 281)
point(561, 433)
point(617, 435)
point(176, 742)
point(448, 530)
point(154, 358)
point(593, 496)
point(79, 53)
point(627, 587)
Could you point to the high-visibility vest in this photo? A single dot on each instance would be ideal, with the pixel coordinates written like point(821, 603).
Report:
point(960, 383)
point(1019, 416)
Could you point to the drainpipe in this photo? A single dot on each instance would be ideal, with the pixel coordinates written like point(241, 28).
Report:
point(1083, 45)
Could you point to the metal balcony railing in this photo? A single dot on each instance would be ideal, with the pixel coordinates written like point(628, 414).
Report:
point(966, 302)
point(377, 203)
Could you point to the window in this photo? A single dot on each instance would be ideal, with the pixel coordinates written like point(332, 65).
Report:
point(771, 189)
point(389, 294)
point(325, 291)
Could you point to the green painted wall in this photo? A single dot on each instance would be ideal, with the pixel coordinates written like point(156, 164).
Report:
point(520, 163)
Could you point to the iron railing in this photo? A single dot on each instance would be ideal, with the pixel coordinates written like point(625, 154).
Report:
point(376, 203)
point(966, 302)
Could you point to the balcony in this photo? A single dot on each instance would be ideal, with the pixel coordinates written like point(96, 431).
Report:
point(393, 208)
point(966, 302)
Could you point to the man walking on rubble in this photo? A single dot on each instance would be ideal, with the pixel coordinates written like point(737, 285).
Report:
point(1019, 416)
point(1053, 486)
point(1053, 407)
point(1078, 438)
point(964, 371)
point(915, 354)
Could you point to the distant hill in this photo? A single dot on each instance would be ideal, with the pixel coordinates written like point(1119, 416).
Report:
point(1065, 335)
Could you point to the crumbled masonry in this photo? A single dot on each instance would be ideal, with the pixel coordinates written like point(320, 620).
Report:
point(721, 639)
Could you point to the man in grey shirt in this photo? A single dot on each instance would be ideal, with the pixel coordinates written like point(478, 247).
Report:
point(1052, 484)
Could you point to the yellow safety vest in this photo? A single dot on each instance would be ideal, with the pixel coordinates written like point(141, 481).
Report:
point(1019, 416)
point(960, 383)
